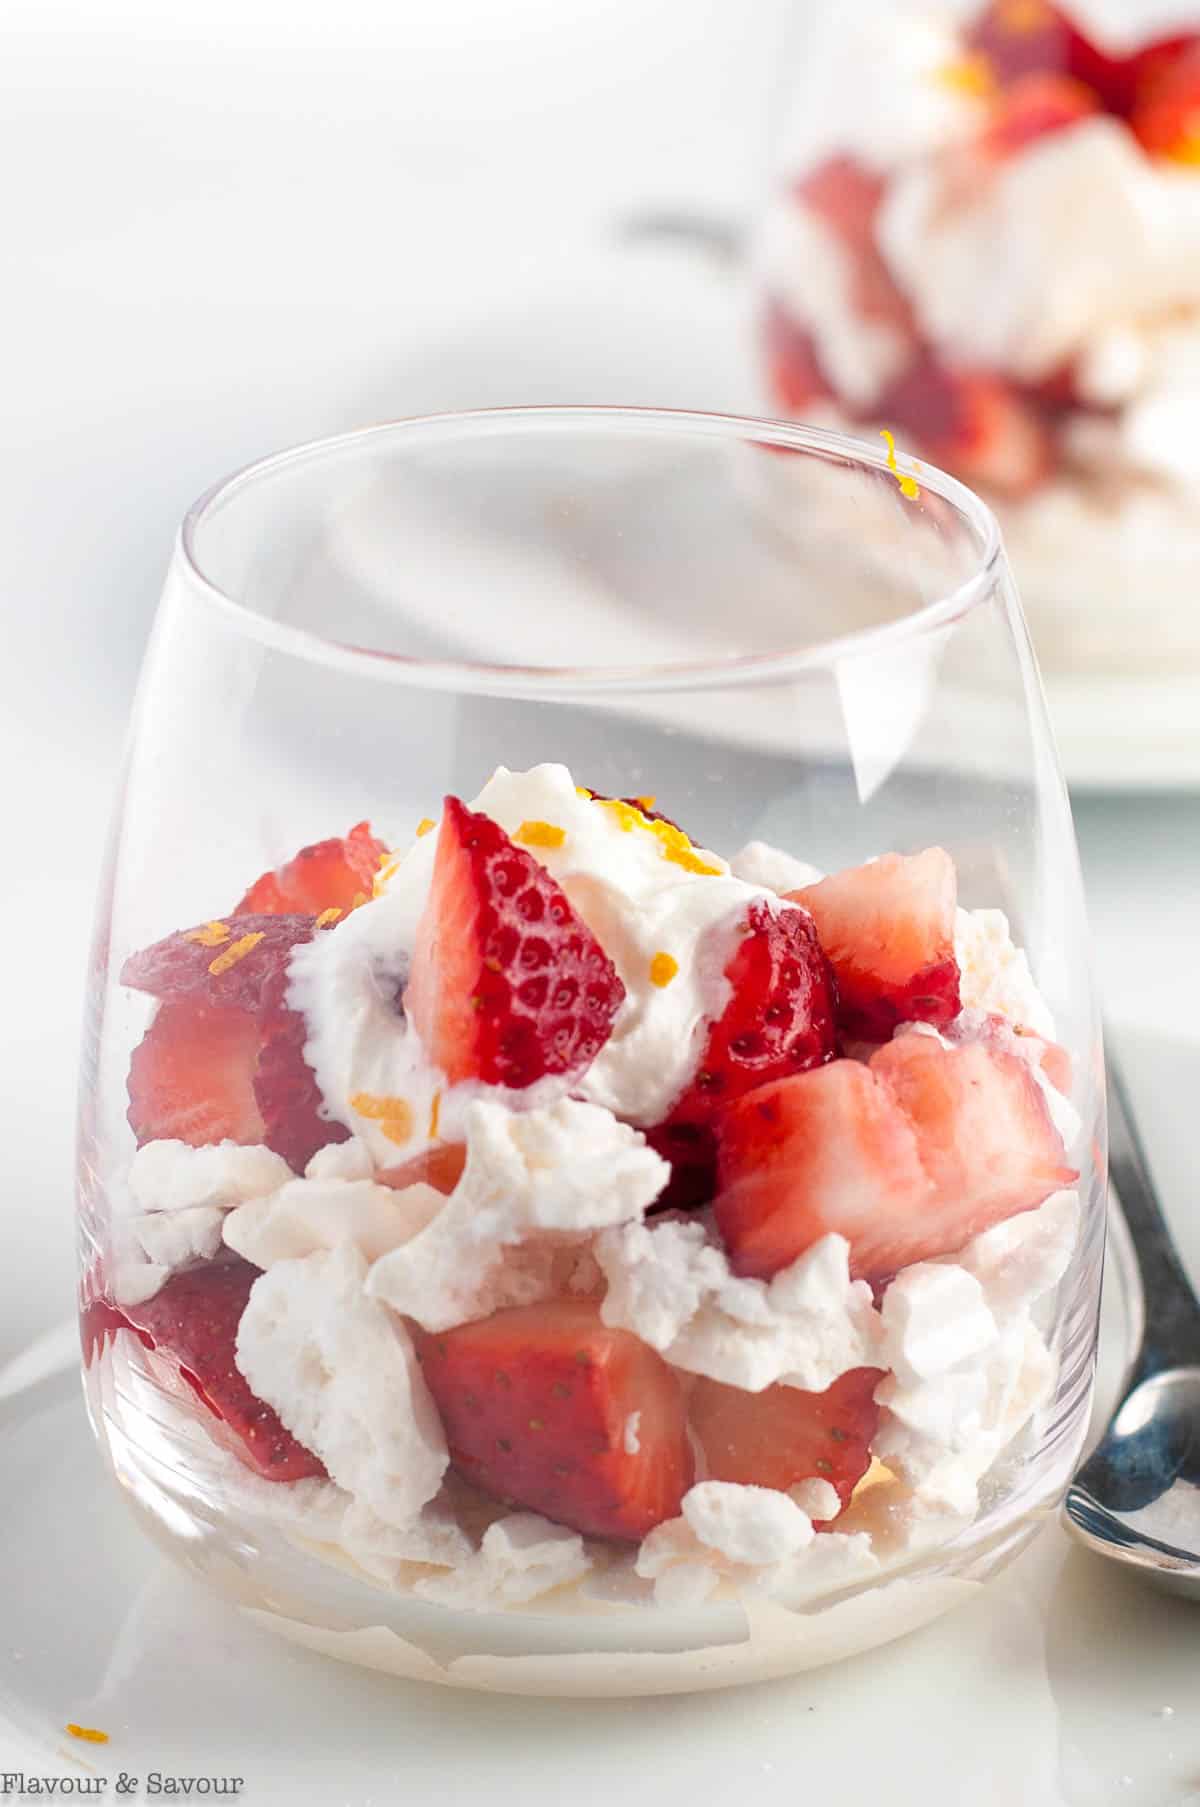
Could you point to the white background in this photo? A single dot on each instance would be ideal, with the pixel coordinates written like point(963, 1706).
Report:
point(239, 224)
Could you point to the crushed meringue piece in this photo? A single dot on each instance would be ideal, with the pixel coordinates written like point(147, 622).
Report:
point(166, 1175)
point(750, 1525)
point(348, 1160)
point(341, 1372)
point(1020, 1259)
point(671, 1284)
point(934, 1318)
point(532, 1181)
point(311, 1214)
point(173, 1238)
point(433, 1537)
point(819, 1499)
point(994, 975)
point(758, 863)
point(521, 1557)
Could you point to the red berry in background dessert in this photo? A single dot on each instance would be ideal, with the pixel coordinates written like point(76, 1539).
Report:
point(975, 423)
point(508, 985)
point(1019, 38)
point(888, 931)
point(1033, 108)
point(907, 1158)
point(224, 1056)
point(846, 197)
point(546, 1407)
point(191, 1323)
point(782, 1435)
point(1166, 114)
point(794, 372)
point(337, 874)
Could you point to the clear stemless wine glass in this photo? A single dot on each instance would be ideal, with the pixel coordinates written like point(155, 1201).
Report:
point(538, 1232)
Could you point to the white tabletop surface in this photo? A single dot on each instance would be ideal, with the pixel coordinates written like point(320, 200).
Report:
point(240, 224)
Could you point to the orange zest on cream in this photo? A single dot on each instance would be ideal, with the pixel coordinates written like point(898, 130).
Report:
point(425, 825)
point(435, 1111)
point(663, 969)
point(393, 1115)
point(672, 841)
point(237, 950)
point(540, 834)
point(326, 917)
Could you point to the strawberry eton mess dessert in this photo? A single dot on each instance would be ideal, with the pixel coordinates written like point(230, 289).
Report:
point(555, 1212)
point(989, 243)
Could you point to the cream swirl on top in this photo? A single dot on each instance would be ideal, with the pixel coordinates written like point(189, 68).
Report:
point(666, 913)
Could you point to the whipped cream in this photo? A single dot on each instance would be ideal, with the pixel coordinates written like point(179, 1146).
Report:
point(638, 901)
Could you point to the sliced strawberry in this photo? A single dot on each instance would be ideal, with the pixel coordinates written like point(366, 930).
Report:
point(794, 375)
point(1023, 37)
point(782, 1436)
point(829, 1150)
point(691, 1150)
point(537, 1404)
point(972, 422)
point(984, 1132)
point(888, 930)
point(508, 984)
point(192, 1323)
point(1166, 116)
point(1035, 107)
point(224, 1056)
point(440, 1167)
point(288, 1096)
point(846, 196)
point(907, 1158)
point(1001, 1034)
point(191, 1077)
point(336, 874)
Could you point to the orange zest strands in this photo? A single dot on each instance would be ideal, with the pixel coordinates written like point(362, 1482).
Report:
point(908, 485)
point(384, 877)
point(581, 790)
point(672, 841)
point(326, 917)
point(971, 74)
point(237, 950)
point(435, 1111)
point(393, 1115)
point(88, 1733)
point(211, 935)
point(1187, 149)
point(360, 898)
point(540, 834)
point(425, 825)
point(645, 802)
point(663, 968)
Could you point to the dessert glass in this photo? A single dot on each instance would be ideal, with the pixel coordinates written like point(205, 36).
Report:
point(790, 645)
point(984, 236)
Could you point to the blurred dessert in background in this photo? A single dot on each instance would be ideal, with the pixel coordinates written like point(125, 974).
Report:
point(986, 238)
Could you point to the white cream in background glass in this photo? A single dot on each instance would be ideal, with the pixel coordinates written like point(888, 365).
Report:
point(985, 236)
point(622, 1209)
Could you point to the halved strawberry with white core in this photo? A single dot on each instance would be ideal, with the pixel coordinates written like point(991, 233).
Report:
point(507, 983)
point(973, 422)
point(539, 1404)
point(1035, 107)
point(829, 1150)
point(888, 930)
point(907, 1158)
point(782, 1436)
point(983, 1129)
point(336, 874)
point(224, 1056)
point(1166, 116)
point(192, 1321)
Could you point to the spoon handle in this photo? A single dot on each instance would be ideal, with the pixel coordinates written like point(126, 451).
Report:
point(1171, 1337)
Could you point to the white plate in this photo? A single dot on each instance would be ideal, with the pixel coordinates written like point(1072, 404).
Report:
point(660, 326)
point(1048, 1690)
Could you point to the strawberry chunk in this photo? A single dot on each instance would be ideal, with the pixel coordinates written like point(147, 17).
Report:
point(440, 1167)
point(907, 1158)
point(794, 375)
point(984, 1131)
point(191, 1077)
point(192, 1324)
point(1024, 37)
point(782, 1436)
point(888, 930)
point(972, 422)
point(1166, 117)
point(507, 984)
point(829, 1150)
point(537, 1404)
point(1035, 107)
point(846, 196)
point(224, 1056)
point(336, 874)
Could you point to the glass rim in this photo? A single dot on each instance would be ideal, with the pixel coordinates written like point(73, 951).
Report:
point(483, 677)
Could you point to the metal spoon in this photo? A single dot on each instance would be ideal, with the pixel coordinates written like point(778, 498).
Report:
point(1137, 1497)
